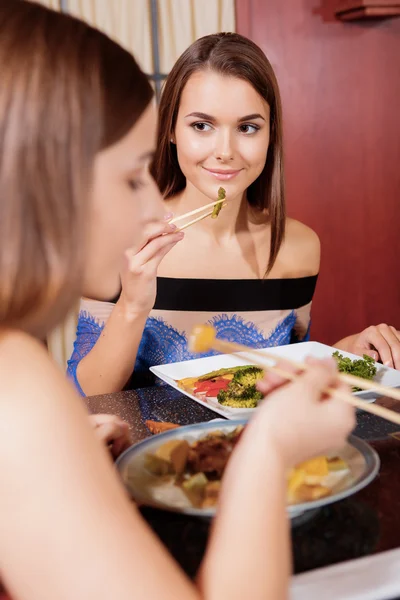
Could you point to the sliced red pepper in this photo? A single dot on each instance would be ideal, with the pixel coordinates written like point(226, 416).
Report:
point(214, 393)
point(211, 387)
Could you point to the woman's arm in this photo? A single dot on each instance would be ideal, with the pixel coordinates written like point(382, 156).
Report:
point(69, 531)
point(108, 365)
point(67, 527)
point(249, 554)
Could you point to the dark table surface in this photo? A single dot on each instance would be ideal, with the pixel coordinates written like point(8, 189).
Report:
point(366, 523)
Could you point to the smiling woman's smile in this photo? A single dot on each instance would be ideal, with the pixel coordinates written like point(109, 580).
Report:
point(223, 174)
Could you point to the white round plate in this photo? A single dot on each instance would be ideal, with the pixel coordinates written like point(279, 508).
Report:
point(148, 489)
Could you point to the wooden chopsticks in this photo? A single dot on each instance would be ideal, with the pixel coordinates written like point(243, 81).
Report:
point(197, 211)
point(379, 411)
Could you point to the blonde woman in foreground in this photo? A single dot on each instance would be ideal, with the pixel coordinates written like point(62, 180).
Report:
point(77, 130)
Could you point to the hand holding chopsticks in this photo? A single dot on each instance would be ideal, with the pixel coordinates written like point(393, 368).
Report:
point(203, 338)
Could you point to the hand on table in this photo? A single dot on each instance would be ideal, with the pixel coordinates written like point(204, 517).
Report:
point(381, 342)
point(112, 431)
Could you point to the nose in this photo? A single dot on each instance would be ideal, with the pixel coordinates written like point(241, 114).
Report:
point(224, 146)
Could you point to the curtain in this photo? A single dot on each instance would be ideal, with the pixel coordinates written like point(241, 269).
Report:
point(181, 22)
point(126, 21)
point(55, 4)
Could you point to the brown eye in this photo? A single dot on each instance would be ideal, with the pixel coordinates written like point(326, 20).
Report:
point(247, 128)
point(201, 126)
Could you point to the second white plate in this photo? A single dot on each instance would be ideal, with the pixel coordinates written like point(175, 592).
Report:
point(200, 366)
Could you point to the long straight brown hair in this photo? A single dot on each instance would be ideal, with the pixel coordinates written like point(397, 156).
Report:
point(67, 92)
point(232, 55)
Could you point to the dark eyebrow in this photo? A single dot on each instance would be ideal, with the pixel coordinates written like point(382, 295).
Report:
point(251, 117)
point(200, 115)
point(205, 117)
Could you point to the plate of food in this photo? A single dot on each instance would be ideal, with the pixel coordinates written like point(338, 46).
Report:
point(226, 383)
point(181, 470)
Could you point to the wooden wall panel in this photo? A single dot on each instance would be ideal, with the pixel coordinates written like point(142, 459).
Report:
point(340, 84)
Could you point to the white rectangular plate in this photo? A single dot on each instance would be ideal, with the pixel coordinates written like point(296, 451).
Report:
point(374, 577)
point(200, 366)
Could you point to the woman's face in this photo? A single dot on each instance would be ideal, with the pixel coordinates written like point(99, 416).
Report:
point(221, 134)
point(125, 201)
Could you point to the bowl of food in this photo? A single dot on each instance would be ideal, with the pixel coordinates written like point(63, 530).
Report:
point(181, 470)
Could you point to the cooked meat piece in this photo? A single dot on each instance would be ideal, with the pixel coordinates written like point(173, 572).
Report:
point(211, 454)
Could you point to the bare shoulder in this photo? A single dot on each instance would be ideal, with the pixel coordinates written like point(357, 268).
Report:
point(302, 248)
point(51, 465)
point(19, 353)
point(24, 361)
point(301, 235)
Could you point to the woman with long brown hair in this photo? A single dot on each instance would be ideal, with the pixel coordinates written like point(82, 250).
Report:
point(251, 273)
point(77, 128)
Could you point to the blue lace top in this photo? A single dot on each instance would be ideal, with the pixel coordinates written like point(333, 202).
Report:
point(258, 313)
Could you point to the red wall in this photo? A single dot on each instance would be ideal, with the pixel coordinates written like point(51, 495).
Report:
point(340, 85)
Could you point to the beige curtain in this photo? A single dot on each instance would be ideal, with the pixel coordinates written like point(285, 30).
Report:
point(126, 21)
point(184, 21)
point(55, 4)
point(181, 22)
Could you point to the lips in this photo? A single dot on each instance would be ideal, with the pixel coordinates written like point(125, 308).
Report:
point(223, 174)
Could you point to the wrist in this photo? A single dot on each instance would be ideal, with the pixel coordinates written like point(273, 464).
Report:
point(260, 444)
point(129, 311)
point(271, 440)
point(345, 343)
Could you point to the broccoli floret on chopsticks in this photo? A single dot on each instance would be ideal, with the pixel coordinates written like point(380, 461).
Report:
point(217, 207)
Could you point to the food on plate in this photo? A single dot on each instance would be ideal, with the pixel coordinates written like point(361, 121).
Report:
point(170, 457)
point(198, 469)
point(241, 391)
point(160, 426)
point(210, 454)
point(217, 207)
point(194, 488)
point(234, 386)
point(204, 383)
point(364, 367)
point(337, 464)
